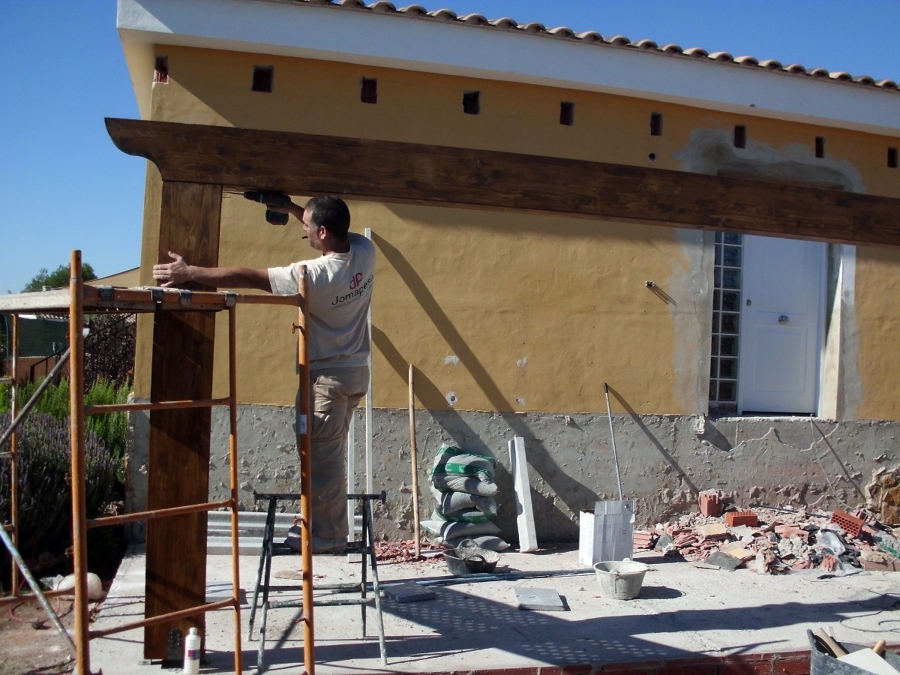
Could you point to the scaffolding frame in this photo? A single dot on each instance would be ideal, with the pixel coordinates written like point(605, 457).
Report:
point(106, 299)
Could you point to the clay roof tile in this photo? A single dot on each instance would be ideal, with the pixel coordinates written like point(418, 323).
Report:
point(696, 52)
point(534, 27)
point(383, 6)
point(443, 14)
point(590, 36)
point(474, 20)
point(562, 31)
point(505, 22)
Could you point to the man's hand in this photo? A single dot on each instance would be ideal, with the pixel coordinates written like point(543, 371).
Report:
point(173, 273)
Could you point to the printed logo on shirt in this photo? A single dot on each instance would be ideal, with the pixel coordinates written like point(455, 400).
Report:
point(356, 290)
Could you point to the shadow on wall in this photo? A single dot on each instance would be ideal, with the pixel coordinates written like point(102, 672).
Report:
point(571, 492)
point(653, 439)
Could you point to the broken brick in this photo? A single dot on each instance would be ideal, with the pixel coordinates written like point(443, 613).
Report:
point(710, 504)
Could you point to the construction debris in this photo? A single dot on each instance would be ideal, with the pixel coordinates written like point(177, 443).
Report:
point(777, 541)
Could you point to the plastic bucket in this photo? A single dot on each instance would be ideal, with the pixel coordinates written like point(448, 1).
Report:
point(620, 580)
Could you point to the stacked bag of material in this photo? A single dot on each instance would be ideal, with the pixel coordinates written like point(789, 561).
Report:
point(463, 485)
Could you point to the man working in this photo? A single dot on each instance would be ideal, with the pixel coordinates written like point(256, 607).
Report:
point(339, 285)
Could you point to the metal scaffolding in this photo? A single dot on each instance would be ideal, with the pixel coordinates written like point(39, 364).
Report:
point(75, 302)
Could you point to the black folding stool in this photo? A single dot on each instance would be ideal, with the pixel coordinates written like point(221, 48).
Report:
point(270, 548)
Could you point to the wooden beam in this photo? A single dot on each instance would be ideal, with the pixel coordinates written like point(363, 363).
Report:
point(442, 176)
point(178, 467)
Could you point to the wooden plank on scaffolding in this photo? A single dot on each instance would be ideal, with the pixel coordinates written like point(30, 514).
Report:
point(178, 467)
point(391, 171)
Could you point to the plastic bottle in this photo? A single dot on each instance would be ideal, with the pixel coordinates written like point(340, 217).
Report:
point(191, 653)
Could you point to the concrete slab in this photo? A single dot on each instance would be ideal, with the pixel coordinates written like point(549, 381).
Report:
point(683, 612)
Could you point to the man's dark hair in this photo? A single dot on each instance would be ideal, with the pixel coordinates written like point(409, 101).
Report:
point(332, 213)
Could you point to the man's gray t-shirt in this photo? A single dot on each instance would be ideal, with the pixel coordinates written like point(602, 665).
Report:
point(340, 292)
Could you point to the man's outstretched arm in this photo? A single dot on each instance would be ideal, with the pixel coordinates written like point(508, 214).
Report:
point(179, 272)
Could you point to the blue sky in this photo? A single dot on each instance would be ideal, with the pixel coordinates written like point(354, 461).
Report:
point(63, 185)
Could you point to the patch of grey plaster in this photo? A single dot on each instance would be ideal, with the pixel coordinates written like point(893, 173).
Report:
point(691, 313)
point(663, 461)
point(711, 151)
point(451, 360)
point(522, 362)
point(851, 392)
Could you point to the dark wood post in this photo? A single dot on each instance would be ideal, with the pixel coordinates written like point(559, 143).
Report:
point(178, 468)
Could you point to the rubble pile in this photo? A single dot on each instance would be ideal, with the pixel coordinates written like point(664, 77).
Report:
point(777, 541)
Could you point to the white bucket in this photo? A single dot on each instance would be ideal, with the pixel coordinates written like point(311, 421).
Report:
point(620, 580)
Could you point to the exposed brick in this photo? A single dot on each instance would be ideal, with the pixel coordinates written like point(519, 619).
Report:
point(736, 518)
point(850, 524)
point(710, 504)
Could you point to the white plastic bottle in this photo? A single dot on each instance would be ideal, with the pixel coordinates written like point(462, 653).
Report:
point(191, 653)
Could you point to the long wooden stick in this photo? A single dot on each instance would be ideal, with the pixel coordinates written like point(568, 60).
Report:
point(415, 460)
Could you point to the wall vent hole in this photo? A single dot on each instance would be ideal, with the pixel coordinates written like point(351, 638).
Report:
point(567, 113)
point(656, 124)
point(161, 69)
point(262, 78)
point(740, 136)
point(472, 102)
point(369, 90)
point(820, 147)
point(892, 158)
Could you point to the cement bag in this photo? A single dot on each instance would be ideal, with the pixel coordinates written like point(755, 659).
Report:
point(470, 484)
point(464, 516)
point(452, 461)
point(451, 502)
point(490, 542)
point(445, 530)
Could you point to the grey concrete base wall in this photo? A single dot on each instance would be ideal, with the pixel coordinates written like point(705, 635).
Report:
point(664, 462)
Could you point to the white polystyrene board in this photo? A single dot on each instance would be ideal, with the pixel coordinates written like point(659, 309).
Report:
point(524, 512)
point(607, 534)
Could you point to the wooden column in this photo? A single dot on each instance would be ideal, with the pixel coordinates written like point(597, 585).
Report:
point(178, 469)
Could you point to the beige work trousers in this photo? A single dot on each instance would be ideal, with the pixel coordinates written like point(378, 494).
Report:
point(335, 394)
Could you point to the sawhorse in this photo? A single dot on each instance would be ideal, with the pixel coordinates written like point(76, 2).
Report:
point(365, 547)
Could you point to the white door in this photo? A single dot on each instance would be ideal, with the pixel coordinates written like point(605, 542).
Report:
point(781, 325)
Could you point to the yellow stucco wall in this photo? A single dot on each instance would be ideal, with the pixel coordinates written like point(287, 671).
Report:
point(507, 311)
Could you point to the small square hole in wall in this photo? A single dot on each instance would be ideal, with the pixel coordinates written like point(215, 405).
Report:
point(656, 124)
point(740, 136)
point(472, 102)
point(820, 147)
point(161, 69)
point(262, 78)
point(892, 158)
point(369, 90)
point(567, 113)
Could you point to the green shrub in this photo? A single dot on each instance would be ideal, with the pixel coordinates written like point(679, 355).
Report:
point(111, 427)
point(45, 522)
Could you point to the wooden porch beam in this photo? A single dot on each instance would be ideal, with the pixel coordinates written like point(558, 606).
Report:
point(389, 171)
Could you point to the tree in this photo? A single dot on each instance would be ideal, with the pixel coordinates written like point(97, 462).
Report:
point(57, 278)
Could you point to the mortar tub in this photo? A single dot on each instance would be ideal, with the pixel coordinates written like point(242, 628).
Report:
point(620, 580)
